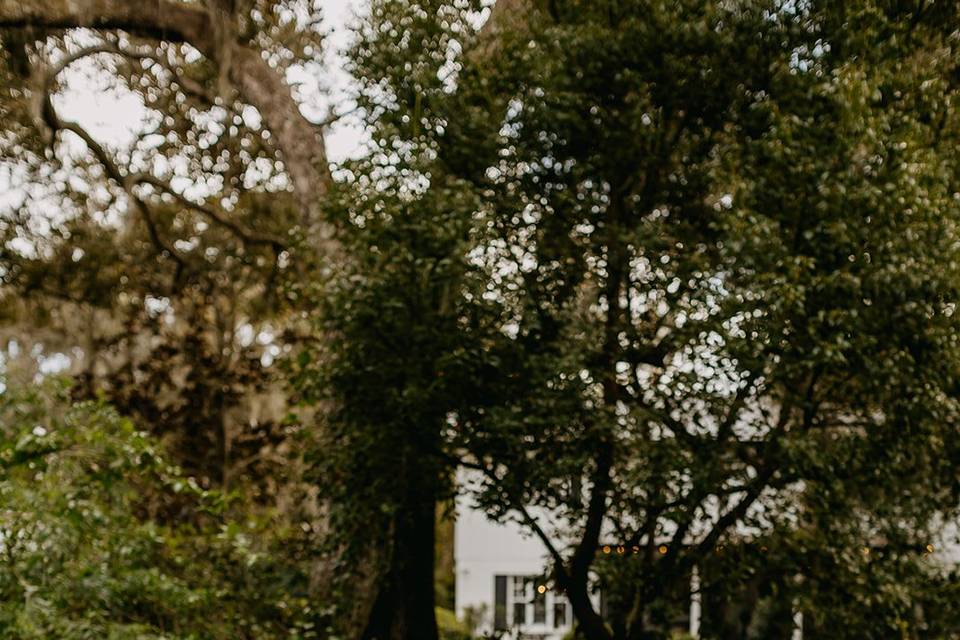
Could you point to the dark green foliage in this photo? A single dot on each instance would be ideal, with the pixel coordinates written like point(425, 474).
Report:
point(711, 269)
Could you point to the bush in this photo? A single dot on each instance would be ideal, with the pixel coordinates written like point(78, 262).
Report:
point(101, 538)
point(450, 627)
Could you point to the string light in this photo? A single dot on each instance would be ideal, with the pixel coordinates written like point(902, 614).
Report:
point(663, 549)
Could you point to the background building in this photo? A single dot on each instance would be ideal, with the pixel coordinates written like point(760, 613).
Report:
point(500, 581)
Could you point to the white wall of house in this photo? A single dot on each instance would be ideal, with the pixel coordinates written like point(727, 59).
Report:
point(483, 550)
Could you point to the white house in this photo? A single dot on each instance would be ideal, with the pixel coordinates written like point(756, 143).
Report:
point(499, 580)
point(500, 585)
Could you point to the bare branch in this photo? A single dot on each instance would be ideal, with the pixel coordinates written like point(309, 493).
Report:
point(52, 119)
point(529, 520)
point(731, 517)
point(559, 562)
point(242, 232)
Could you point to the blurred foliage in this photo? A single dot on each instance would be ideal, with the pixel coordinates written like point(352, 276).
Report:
point(161, 295)
point(450, 627)
point(162, 289)
point(101, 537)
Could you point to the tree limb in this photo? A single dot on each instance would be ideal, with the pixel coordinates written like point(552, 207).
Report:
point(243, 233)
point(113, 171)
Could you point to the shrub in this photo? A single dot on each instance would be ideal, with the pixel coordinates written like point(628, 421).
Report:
point(101, 538)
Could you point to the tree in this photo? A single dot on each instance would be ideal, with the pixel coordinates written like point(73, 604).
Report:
point(162, 271)
point(232, 36)
point(157, 264)
point(724, 256)
point(678, 274)
point(677, 237)
point(166, 251)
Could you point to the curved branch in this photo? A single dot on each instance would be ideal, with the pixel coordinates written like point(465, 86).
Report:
point(259, 84)
point(302, 146)
point(114, 172)
point(53, 120)
point(529, 520)
point(246, 235)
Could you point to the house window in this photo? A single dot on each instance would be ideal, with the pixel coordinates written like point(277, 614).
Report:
point(520, 598)
point(559, 615)
point(519, 613)
point(521, 605)
point(540, 608)
point(520, 587)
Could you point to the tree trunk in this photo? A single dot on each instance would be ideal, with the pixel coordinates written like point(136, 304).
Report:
point(589, 622)
point(404, 608)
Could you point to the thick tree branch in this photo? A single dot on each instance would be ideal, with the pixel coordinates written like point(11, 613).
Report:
point(298, 140)
point(156, 19)
point(753, 492)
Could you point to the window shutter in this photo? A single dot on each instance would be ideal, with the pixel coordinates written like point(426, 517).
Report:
point(500, 603)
